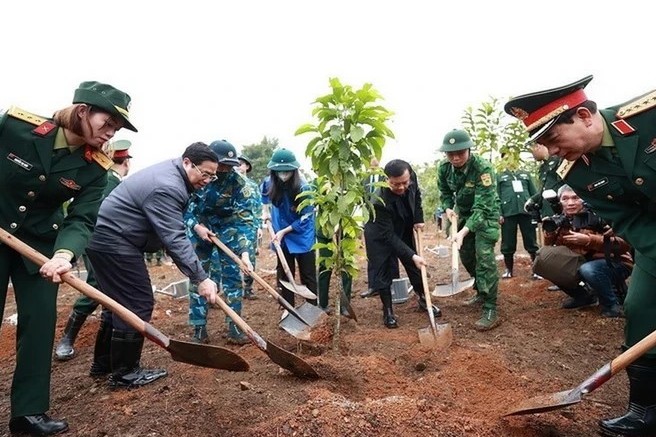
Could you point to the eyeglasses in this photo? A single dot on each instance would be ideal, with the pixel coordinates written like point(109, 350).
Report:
point(205, 175)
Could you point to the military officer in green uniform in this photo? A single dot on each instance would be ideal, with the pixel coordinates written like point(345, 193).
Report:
point(84, 306)
point(609, 159)
point(45, 162)
point(515, 187)
point(468, 193)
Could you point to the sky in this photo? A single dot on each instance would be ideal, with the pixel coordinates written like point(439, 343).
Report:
point(207, 70)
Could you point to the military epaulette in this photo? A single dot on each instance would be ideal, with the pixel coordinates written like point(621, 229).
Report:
point(637, 106)
point(28, 117)
point(43, 125)
point(564, 168)
point(93, 154)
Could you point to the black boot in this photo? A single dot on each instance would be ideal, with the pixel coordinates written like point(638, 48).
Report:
point(422, 306)
point(37, 424)
point(125, 356)
point(102, 365)
point(640, 419)
point(509, 261)
point(64, 350)
point(388, 312)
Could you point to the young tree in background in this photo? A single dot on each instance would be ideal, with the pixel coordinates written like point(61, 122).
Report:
point(351, 129)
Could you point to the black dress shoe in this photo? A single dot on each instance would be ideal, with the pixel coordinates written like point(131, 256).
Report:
point(369, 293)
point(38, 424)
point(390, 321)
point(422, 307)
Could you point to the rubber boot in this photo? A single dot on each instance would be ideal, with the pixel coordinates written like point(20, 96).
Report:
point(388, 311)
point(125, 356)
point(640, 419)
point(64, 350)
point(102, 364)
point(509, 261)
point(235, 335)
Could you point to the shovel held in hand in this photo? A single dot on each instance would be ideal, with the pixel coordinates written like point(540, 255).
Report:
point(301, 329)
point(191, 353)
point(281, 357)
point(292, 286)
point(435, 336)
point(540, 404)
point(455, 287)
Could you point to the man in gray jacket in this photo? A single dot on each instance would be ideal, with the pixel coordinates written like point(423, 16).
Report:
point(144, 214)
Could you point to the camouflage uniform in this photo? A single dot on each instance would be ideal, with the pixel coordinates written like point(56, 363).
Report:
point(226, 207)
point(256, 203)
point(471, 192)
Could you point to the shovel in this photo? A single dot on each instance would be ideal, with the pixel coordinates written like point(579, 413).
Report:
point(554, 401)
point(281, 357)
point(455, 287)
point(191, 353)
point(434, 336)
point(301, 290)
point(299, 320)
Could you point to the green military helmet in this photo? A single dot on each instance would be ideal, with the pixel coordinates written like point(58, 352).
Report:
point(283, 160)
point(225, 151)
point(456, 140)
point(244, 159)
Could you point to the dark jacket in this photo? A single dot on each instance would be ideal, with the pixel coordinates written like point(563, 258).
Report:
point(388, 233)
point(144, 214)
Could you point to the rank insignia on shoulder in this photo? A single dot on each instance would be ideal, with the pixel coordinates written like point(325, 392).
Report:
point(564, 168)
point(638, 105)
point(25, 116)
point(92, 154)
point(623, 127)
point(486, 179)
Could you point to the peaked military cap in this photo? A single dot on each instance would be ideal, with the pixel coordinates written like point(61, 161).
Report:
point(119, 149)
point(107, 98)
point(539, 111)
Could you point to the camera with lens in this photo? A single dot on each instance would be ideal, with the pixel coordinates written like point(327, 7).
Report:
point(586, 219)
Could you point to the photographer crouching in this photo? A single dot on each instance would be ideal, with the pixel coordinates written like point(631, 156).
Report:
point(583, 257)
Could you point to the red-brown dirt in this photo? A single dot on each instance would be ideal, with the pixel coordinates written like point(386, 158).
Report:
point(381, 382)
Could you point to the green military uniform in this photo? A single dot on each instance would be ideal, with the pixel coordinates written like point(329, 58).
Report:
point(514, 189)
point(549, 180)
point(618, 179)
point(39, 172)
point(471, 192)
point(37, 175)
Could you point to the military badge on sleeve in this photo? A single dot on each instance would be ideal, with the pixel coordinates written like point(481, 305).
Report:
point(486, 179)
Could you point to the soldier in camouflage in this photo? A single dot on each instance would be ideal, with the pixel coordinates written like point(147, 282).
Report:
point(468, 193)
point(223, 208)
point(255, 233)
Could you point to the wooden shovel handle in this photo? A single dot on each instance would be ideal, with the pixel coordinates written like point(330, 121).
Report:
point(281, 255)
point(125, 314)
point(454, 245)
point(424, 278)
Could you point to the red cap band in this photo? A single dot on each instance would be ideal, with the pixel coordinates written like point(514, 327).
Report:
point(558, 106)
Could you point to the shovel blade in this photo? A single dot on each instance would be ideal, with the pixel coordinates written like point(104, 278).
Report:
point(291, 362)
point(440, 339)
point(299, 289)
point(205, 355)
point(543, 403)
point(310, 313)
point(445, 290)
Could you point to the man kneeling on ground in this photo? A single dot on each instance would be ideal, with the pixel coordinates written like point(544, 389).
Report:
point(578, 246)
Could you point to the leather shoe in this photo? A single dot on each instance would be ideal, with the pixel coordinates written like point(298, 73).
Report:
point(37, 424)
point(369, 293)
point(422, 307)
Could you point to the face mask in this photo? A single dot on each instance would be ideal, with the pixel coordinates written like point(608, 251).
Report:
point(285, 175)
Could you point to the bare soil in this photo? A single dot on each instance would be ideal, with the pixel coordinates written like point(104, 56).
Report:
point(381, 382)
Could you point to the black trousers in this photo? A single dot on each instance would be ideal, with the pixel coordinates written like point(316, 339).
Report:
point(306, 269)
point(125, 279)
